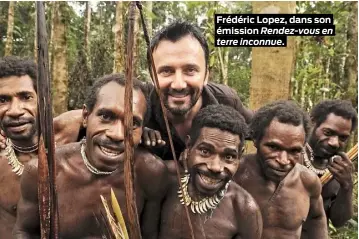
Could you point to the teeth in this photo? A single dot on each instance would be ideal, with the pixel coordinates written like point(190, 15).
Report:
point(109, 152)
point(192, 208)
point(209, 180)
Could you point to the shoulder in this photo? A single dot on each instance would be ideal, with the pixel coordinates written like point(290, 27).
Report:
point(67, 151)
point(243, 200)
point(145, 160)
point(151, 170)
point(220, 89)
point(247, 164)
point(65, 118)
point(244, 204)
point(310, 180)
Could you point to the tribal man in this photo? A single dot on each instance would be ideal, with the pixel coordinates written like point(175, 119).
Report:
point(90, 168)
point(218, 207)
point(333, 121)
point(287, 192)
point(18, 119)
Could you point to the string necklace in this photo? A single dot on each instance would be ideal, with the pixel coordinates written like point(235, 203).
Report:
point(26, 150)
point(89, 166)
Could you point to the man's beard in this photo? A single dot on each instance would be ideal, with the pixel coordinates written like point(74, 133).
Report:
point(181, 111)
point(27, 135)
point(317, 147)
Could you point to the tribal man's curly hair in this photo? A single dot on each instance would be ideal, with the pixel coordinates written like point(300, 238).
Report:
point(119, 78)
point(220, 117)
point(15, 66)
point(284, 111)
point(341, 108)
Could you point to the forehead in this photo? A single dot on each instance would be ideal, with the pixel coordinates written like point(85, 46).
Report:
point(218, 138)
point(184, 51)
point(14, 84)
point(285, 134)
point(337, 123)
point(112, 95)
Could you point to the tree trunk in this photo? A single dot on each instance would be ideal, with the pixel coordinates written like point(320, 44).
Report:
point(119, 59)
point(59, 71)
point(54, 8)
point(136, 45)
point(351, 61)
point(35, 39)
point(271, 67)
point(10, 29)
point(148, 17)
point(223, 61)
point(87, 25)
point(351, 65)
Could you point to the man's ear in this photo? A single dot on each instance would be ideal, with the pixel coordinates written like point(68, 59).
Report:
point(206, 78)
point(85, 115)
point(256, 143)
point(188, 141)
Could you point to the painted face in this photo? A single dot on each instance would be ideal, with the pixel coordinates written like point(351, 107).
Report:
point(18, 108)
point(280, 149)
point(331, 136)
point(213, 160)
point(182, 73)
point(105, 125)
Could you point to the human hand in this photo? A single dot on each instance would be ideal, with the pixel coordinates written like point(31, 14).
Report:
point(342, 168)
point(151, 137)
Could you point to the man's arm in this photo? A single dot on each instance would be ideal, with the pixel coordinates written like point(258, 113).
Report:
point(28, 218)
point(67, 127)
point(341, 209)
point(317, 220)
point(249, 220)
point(153, 175)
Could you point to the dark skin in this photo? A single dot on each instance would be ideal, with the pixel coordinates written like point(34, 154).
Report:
point(287, 192)
point(79, 190)
point(328, 139)
point(18, 110)
point(215, 154)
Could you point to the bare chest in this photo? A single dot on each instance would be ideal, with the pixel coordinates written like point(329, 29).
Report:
point(10, 189)
point(219, 224)
point(80, 206)
point(284, 207)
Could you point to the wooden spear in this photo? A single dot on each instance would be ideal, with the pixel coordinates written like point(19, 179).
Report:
point(46, 164)
point(134, 226)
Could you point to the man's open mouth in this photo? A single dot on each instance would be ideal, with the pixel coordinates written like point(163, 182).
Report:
point(110, 152)
point(209, 180)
